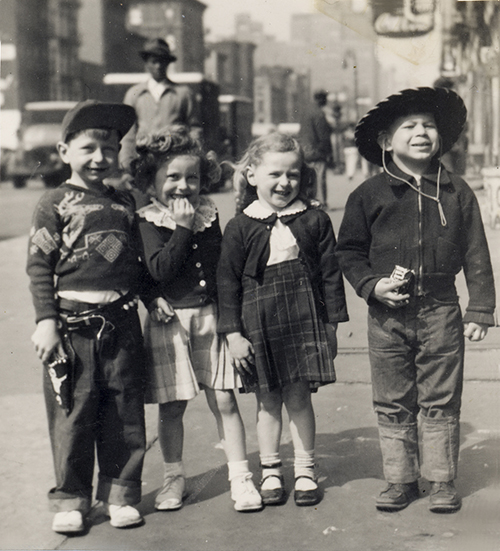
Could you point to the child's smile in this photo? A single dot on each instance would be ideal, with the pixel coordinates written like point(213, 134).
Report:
point(178, 178)
point(92, 159)
point(276, 178)
point(413, 140)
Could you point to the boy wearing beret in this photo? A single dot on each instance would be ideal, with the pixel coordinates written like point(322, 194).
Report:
point(84, 272)
point(405, 235)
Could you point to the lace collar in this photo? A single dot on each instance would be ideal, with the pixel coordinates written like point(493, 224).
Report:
point(161, 216)
point(258, 211)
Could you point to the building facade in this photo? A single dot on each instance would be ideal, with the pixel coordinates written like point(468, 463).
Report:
point(179, 22)
point(39, 58)
point(471, 60)
point(230, 64)
point(280, 94)
point(41, 42)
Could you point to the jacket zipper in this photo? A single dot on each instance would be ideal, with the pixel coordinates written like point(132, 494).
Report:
point(420, 275)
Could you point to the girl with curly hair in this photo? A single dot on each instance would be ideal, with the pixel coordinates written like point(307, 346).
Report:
point(181, 240)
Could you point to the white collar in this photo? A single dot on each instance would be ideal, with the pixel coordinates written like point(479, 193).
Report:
point(260, 212)
point(161, 216)
point(157, 88)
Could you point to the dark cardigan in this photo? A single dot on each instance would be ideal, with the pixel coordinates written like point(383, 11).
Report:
point(245, 252)
point(182, 262)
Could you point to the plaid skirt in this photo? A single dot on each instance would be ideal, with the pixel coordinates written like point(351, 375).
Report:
point(185, 354)
point(280, 318)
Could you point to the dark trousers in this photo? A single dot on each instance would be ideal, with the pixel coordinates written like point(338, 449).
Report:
point(417, 362)
point(106, 420)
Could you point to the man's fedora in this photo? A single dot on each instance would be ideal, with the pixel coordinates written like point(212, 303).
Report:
point(158, 48)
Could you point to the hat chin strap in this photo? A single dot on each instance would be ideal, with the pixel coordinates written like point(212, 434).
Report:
point(419, 191)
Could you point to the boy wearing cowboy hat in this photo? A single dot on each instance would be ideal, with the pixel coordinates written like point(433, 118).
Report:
point(158, 101)
point(424, 223)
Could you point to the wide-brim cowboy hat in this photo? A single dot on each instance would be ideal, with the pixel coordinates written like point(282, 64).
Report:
point(446, 105)
point(96, 114)
point(157, 47)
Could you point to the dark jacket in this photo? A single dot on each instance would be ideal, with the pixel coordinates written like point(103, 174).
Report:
point(314, 136)
point(387, 223)
point(245, 252)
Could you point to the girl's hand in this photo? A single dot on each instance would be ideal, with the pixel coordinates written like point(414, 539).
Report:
point(475, 331)
point(242, 353)
point(160, 310)
point(385, 292)
point(46, 339)
point(183, 213)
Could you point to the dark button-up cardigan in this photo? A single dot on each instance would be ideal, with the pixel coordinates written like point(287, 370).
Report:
point(184, 263)
point(245, 252)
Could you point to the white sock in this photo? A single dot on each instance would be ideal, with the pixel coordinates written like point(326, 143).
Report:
point(237, 468)
point(173, 469)
point(271, 471)
point(304, 467)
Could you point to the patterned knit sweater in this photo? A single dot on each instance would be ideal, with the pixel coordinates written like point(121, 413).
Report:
point(82, 240)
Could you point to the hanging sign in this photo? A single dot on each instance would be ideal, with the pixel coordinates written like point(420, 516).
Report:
point(403, 18)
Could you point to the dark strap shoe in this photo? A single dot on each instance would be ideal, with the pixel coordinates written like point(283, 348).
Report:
point(307, 498)
point(397, 496)
point(276, 496)
point(444, 498)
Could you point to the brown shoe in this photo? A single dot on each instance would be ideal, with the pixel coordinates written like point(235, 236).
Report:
point(397, 496)
point(444, 498)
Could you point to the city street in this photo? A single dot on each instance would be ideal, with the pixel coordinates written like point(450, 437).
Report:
point(347, 450)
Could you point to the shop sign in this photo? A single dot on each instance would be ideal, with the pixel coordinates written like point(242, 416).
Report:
point(403, 18)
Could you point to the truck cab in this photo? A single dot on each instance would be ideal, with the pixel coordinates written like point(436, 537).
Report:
point(36, 154)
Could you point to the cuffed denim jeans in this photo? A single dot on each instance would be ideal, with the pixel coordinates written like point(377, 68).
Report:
point(417, 358)
point(107, 417)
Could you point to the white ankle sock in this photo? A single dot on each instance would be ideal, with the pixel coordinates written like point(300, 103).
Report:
point(237, 468)
point(173, 469)
point(271, 468)
point(304, 467)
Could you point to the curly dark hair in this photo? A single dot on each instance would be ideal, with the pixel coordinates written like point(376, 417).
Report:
point(275, 142)
point(171, 141)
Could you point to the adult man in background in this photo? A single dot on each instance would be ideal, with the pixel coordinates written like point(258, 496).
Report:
point(315, 138)
point(158, 101)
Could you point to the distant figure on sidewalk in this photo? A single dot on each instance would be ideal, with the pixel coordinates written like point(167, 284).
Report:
point(406, 234)
point(351, 154)
point(158, 102)
point(315, 138)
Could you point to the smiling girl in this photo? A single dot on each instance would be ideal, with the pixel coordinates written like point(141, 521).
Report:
point(181, 240)
point(281, 295)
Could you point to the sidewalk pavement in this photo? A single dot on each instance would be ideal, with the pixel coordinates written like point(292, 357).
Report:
point(347, 452)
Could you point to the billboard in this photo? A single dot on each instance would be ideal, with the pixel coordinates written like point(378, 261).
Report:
point(403, 18)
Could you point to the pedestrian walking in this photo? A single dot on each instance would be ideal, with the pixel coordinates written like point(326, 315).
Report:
point(315, 138)
point(281, 296)
point(351, 154)
point(181, 240)
point(405, 235)
point(84, 274)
